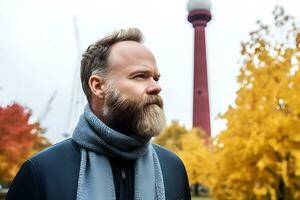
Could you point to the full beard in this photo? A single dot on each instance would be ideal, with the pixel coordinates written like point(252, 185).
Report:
point(144, 118)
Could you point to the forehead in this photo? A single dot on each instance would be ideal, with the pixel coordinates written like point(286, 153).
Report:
point(127, 55)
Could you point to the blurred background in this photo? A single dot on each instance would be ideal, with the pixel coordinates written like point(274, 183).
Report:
point(41, 43)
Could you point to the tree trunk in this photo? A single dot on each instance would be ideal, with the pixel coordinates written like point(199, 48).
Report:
point(196, 188)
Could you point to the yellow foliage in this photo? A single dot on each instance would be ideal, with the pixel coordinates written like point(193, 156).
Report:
point(170, 137)
point(258, 155)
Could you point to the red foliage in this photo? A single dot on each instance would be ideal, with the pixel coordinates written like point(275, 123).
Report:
point(17, 135)
point(19, 139)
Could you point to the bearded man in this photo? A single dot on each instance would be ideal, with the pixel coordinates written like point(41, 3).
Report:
point(110, 155)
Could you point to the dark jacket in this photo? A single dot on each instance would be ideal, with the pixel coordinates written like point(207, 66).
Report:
point(53, 175)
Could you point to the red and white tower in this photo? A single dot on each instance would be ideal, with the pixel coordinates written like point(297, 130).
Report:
point(199, 15)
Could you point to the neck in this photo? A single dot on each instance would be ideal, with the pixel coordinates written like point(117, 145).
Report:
point(115, 124)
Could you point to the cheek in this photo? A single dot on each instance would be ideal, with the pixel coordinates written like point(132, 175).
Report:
point(131, 89)
point(134, 92)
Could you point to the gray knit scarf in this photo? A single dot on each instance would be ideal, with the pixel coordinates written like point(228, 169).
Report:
point(97, 142)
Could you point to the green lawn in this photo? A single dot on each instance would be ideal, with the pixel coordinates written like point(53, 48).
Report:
point(201, 198)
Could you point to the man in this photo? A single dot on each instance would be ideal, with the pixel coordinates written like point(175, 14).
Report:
point(110, 155)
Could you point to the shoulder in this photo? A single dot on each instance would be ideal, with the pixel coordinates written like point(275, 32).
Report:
point(50, 174)
point(57, 150)
point(168, 160)
point(166, 155)
point(57, 169)
point(57, 158)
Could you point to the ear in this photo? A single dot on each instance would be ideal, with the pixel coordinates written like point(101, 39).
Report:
point(96, 84)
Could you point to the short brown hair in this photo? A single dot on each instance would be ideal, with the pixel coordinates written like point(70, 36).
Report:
point(95, 58)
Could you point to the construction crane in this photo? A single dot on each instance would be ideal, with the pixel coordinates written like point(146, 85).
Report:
point(77, 100)
point(47, 108)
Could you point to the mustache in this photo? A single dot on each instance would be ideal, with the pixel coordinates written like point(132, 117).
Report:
point(118, 102)
point(153, 99)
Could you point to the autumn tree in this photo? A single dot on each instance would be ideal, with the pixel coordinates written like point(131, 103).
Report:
point(189, 146)
point(171, 136)
point(19, 139)
point(258, 155)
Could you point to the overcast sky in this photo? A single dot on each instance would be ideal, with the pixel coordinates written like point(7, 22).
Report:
point(39, 52)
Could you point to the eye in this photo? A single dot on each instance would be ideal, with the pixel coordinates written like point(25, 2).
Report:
point(156, 79)
point(140, 76)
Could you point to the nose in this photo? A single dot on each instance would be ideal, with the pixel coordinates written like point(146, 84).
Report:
point(153, 90)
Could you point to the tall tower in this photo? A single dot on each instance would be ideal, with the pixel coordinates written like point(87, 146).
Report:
point(199, 15)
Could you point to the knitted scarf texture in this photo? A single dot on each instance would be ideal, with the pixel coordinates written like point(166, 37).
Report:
point(98, 142)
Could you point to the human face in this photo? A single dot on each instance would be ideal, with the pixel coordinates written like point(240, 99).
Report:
point(132, 105)
point(133, 70)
